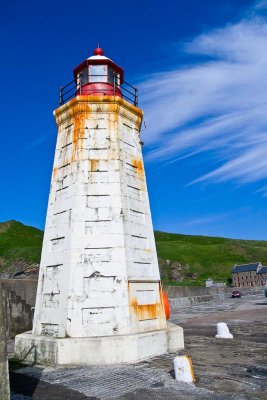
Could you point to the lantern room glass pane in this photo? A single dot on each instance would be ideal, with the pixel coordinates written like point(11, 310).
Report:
point(98, 73)
point(111, 74)
point(84, 76)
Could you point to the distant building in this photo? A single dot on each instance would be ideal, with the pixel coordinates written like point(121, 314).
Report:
point(254, 274)
point(262, 276)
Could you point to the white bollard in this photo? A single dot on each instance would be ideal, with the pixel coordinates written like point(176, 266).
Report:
point(223, 331)
point(183, 369)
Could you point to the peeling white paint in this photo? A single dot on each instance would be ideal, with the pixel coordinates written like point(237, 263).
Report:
point(99, 284)
point(98, 222)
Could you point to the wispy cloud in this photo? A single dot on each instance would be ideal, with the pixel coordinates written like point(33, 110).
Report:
point(36, 142)
point(261, 5)
point(215, 105)
point(208, 219)
point(263, 190)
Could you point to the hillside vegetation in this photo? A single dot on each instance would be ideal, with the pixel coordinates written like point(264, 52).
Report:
point(183, 259)
point(193, 259)
point(19, 244)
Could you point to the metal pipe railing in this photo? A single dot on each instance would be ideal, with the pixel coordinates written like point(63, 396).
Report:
point(71, 89)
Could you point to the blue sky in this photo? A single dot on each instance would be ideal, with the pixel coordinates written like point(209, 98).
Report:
point(201, 70)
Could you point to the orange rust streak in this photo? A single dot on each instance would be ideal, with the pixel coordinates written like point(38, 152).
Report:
point(93, 165)
point(139, 167)
point(146, 311)
point(191, 368)
point(55, 172)
point(78, 134)
point(137, 123)
point(113, 117)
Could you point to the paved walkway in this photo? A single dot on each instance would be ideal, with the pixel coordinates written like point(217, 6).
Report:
point(225, 369)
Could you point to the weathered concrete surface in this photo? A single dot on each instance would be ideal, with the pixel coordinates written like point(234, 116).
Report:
point(4, 379)
point(20, 296)
point(99, 282)
point(119, 349)
point(231, 366)
point(25, 288)
point(224, 369)
point(99, 274)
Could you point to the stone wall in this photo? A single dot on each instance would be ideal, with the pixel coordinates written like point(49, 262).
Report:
point(20, 295)
point(184, 296)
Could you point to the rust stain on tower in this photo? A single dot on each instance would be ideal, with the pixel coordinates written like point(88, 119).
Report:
point(145, 311)
point(137, 163)
point(55, 170)
point(78, 136)
point(93, 165)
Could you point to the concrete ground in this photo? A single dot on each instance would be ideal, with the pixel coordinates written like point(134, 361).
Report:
point(225, 369)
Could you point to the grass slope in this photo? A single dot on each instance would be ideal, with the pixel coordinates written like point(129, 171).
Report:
point(192, 259)
point(205, 257)
point(19, 242)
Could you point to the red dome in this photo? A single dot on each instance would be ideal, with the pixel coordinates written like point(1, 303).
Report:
point(98, 51)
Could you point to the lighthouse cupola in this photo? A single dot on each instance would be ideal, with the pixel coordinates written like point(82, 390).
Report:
point(98, 75)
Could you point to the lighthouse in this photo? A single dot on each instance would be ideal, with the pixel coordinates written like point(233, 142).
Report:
point(99, 297)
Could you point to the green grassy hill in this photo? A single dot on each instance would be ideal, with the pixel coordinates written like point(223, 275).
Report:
point(196, 258)
point(19, 242)
point(183, 259)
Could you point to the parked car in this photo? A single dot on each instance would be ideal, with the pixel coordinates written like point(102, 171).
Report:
point(236, 293)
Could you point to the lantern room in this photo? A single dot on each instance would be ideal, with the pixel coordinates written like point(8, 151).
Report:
point(99, 76)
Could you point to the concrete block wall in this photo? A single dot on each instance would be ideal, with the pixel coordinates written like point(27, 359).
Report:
point(185, 296)
point(20, 297)
point(25, 288)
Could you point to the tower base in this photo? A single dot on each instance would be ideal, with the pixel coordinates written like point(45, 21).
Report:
point(32, 349)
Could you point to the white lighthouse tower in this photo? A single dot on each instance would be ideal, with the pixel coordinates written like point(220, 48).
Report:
point(99, 297)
